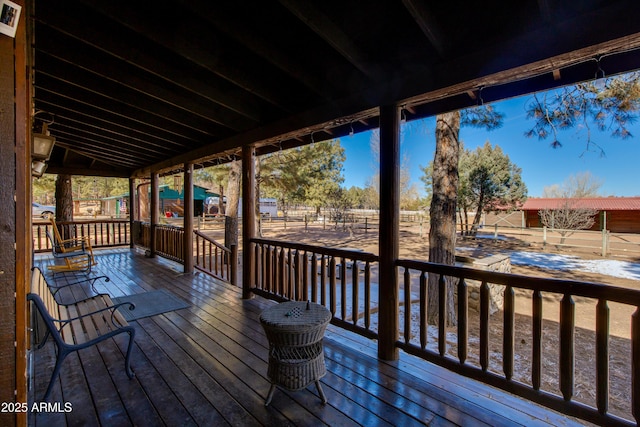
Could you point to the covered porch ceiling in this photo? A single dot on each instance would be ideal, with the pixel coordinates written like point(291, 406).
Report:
point(140, 87)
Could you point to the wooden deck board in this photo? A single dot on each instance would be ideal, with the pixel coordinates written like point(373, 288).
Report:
point(207, 364)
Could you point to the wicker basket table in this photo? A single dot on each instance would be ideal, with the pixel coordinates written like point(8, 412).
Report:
point(296, 357)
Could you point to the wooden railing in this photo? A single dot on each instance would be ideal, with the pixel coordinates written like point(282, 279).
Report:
point(169, 239)
point(170, 242)
point(216, 259)
point(496, 366)
point(483, 345)
point(337, 278)
point(210, 256)
point(101, 233)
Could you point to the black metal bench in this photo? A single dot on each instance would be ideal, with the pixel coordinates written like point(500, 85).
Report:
point(76, 325)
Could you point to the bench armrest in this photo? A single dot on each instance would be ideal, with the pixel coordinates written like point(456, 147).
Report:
point(111, 308)
point(55, 288)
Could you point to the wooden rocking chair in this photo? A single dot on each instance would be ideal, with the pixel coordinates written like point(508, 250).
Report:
point(76, 252)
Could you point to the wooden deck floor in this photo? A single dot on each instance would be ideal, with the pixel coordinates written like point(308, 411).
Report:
point(206, 365)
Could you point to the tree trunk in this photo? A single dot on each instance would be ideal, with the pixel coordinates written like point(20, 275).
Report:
point(144, 209)
point(221, 210)
point(64, 198)
point(258, 216)
point(478, 215)
point(442, 233)
point(233, 198)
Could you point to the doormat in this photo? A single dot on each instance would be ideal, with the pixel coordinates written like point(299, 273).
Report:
point(149, 304)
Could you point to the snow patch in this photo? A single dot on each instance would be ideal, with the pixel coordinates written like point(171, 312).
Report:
point(614, 268)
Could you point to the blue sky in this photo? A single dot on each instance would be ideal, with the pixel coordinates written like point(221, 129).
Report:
point(541, 164)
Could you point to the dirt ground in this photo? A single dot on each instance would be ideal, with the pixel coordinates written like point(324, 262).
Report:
point(413, 246)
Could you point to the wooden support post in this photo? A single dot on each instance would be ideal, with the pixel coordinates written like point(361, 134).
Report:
point(23, 249)
point(133, 209)
point(8, 315)
point(389, 230)
point(188, 218)
point(248, 218)
point(155, 203)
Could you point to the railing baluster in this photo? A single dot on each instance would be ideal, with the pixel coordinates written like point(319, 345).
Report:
point(343, 288)
point(268, 261)
point(332, 285)
point(305, 276)
point(258, 276)
point(567, 356)
point(355, 291)
point(536, 345)
point(323, 279)
point(463, 320)
point(281, 274)
point(290, 274)
point(602, 356)
point(206, 253)
point(298, 278)
point(508, 333)
point(407, 305)
point(367, 295)
point(197, 243)
point(442, 315)
point(424, 326)
point(314, 277)
point(213, 250)
point(484, 326)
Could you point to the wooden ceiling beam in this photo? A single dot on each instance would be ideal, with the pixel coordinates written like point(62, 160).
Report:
point(115, 127)
point(237, 29)
point(61, 78)
point(119, 141)
point(86, 26)
point(90, 153)
point(121, 79)
point(198, 45)
point(92, 143)
point(131, 120)
point(85, 160)
point(326, 28)
point(95, 169)
point(428, 24)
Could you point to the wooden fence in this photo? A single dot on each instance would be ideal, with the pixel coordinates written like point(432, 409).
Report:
point(602, 242)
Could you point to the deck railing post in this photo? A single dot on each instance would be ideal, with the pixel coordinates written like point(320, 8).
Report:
point(133, 209)
point(248, 217)
point(234, 265)
point(155, 216)
point(187, 242)
point(389, 231)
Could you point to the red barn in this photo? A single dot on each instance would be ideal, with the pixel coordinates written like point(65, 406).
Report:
point(616, 214)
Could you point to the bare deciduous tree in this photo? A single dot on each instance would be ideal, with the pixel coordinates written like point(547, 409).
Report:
point(582, 184)
point(568, 218)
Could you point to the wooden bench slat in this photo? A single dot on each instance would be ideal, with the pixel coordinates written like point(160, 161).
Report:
point(84, 309)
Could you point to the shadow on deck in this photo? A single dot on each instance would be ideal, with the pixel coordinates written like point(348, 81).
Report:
point(207, 364)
